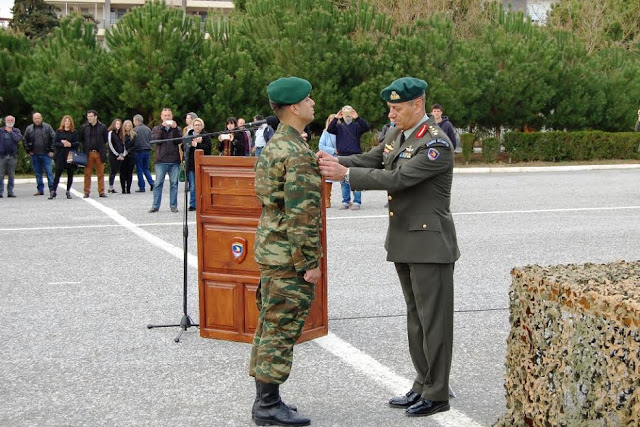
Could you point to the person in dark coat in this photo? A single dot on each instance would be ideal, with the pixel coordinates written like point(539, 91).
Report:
point(126, 168)
point(65, 140)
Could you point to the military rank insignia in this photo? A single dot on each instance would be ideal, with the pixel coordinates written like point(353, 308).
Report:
point(433, 154)
point(394, 96)
point(388, 148)
point(422, 131)
point(433, 130)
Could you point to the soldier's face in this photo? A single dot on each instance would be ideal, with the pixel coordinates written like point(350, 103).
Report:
point(306, 110)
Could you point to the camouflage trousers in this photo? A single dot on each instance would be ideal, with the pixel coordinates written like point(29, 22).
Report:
point(284, 299)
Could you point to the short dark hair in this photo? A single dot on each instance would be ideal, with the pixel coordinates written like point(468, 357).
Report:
point(232, 120)
point(437, 107)
point(258, 118)
point(94, 112)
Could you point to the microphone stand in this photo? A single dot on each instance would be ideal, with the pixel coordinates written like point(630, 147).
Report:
point(186, 322)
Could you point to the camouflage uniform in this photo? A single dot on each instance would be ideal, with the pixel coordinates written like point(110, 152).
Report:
point(288, 185)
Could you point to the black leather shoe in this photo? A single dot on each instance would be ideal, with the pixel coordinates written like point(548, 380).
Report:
point(191, 209)
point(405, 401)
point(104, 195)
point(151, 186)
point(13, 196)
point(140, 190)
point(86, 195)
point(152, 210)
point(426, 407)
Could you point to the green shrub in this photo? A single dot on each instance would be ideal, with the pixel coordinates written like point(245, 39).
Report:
point(571, 146)
point(467, 139)
point(490, 149)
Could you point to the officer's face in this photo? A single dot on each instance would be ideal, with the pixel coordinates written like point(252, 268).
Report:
point(405, 114)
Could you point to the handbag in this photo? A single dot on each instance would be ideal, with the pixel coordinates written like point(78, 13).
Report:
point(78, 158)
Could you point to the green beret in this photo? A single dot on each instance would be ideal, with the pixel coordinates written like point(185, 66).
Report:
point(288, 90)
point(404, 89)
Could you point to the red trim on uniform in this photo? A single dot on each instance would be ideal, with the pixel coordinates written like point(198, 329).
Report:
point(422, 131)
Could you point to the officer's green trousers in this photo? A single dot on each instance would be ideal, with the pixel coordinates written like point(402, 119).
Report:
point(284, 299)
point(428, 292)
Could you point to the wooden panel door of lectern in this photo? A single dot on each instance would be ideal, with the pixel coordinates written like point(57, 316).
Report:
point(227, 213)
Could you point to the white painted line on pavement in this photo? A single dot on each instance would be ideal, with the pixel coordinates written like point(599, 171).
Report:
point(192, 260)
point(384, 376)
point(73, 227)
point(568, 168)
point(612, 208)
point(359, 360)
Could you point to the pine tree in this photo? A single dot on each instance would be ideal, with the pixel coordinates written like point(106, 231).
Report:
point(34, 18)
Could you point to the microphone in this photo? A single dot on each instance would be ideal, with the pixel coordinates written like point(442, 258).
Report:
point(255, 124)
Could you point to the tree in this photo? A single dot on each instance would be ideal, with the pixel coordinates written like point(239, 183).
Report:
point(34, 18)
point(63, 74)
point(154, 52)
point(605, 23)
point(13, 50)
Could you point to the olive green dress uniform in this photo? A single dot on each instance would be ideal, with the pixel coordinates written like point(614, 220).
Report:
point(288, 185)
point(421, 240)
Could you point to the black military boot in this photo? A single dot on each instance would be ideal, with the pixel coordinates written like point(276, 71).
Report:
point(271, 410)
point(257, 401)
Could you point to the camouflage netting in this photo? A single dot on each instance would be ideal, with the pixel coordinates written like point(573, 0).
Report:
point(573, 356)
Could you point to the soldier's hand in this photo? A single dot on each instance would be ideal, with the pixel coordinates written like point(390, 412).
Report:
point(313, 275)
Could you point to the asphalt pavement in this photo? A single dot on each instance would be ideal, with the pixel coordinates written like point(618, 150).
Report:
point(82, 278)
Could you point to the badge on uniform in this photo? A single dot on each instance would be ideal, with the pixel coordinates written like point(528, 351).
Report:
point(433, 154)
point(433, 130)
point(438, 141)
point(388, 148)
point(407, 153)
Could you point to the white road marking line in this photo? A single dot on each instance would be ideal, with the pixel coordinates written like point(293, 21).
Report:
point(63, 283)
point(73, 227)
point(332, 343)
point(192, 260)
point(612, 208)
point(384, 376)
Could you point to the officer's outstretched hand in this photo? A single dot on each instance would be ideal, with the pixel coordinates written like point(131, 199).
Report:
point(313, 275)
point(324, 155)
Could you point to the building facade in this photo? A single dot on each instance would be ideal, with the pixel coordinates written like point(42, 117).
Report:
point(536, 10)
point(108, 12)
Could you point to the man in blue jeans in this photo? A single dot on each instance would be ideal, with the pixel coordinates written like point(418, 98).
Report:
point(38, 142)
point(167, 159)
point(143, 151)
point(348, 127)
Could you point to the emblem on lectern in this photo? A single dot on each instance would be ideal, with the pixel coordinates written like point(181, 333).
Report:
point(238, 249)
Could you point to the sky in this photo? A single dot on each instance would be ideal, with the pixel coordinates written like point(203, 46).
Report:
point(5, 8)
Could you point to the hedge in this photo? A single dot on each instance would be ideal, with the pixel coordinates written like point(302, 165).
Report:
point(571, 146)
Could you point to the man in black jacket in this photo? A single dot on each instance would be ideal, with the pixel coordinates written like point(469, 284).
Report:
point(93, 137)
point(167, 159)
point(38, 142)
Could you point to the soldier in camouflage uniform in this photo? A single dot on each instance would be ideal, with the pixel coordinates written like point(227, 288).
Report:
point(287, 247)
point(414, 163)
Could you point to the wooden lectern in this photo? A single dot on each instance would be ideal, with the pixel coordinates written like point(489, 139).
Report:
point(227, 217)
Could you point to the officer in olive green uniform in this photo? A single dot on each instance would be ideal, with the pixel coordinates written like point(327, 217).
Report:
point(414, 163)
point(287, 247)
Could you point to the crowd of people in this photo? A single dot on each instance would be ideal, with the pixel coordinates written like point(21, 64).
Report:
point(126, 145)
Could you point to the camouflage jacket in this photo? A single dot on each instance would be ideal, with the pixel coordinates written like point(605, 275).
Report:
point(288, 185)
